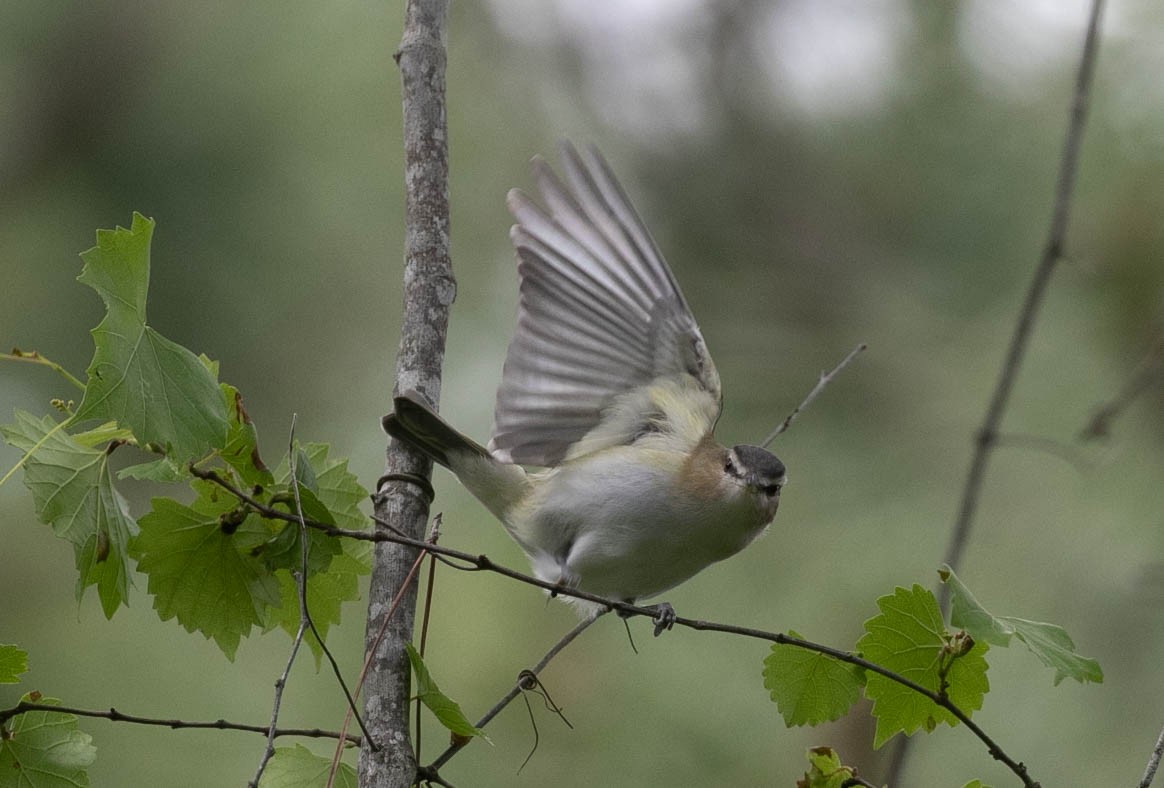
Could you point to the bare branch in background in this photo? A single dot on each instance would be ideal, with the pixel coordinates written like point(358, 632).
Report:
point(988, 433)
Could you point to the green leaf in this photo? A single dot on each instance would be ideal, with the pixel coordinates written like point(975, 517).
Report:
point(909, 638)
point(810, 688)
point(162, 469)
point(200, 568)
point(241, 451)
point(138, 378)
point(444, 707)
point(825, 770)
point(72, 490)
point(13, 662)
point(975, 784)
point(326, 593)
point(299, 767)
point(333, 484)
point(44, 749)
point(1049, 642)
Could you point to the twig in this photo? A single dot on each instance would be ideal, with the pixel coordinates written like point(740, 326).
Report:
point(482, 563)
point(304, 620)
point(1052, 253)
point(825, 379)
point(1153, 762)
point(1151, 368)
point(116, 716)
point(852, 782)
point(523, 682)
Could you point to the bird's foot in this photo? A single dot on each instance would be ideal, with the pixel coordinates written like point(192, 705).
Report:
point(664, 617)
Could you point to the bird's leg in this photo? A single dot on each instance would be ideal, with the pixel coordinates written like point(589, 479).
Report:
point(664, 617)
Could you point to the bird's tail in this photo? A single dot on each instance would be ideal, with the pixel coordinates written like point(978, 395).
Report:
point(498, 485)
point(415, 422)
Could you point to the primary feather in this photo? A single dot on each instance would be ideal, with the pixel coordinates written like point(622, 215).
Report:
point(600, 317)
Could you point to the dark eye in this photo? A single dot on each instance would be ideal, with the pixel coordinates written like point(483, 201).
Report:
point(728, 467)
point(772, 489)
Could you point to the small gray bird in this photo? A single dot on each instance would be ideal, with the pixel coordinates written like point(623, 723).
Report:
point(609, 389)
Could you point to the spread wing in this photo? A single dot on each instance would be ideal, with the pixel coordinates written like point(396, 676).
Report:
point(600, 315)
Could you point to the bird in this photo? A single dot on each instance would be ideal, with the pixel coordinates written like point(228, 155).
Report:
point(603, 465)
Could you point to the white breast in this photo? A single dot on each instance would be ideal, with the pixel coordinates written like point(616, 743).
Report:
point(616, 525)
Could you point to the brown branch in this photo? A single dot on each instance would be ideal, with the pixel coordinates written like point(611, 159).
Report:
point(482, 563)
point(117, 716)
point(526, 680)
point(429, 289)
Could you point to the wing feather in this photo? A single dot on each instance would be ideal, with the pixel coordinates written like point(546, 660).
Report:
point(600, 316)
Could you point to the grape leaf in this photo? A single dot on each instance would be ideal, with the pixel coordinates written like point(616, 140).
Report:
point(1049, 642)
point(447, 711)
point(138, 378)
point(13, 662)
point(326, 593)
point(329, 493)
point(299, 767)
point(810, 688)
point(200, 568)
point(909, 638)
point(331, 481)
point(825, 770)
point(241, 451)
point(162, 469)
point(44, 749)
point(72, 490)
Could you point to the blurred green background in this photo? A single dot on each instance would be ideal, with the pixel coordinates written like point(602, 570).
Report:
point(817, 173)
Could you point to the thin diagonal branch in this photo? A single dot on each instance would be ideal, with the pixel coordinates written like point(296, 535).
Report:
point(1020, 339)
point(116, 716)
point(824, 380)
point(368, 652)
point(524, 681)
point(482, 563)
point(987, 436)
point(1153, 762)
point(301, 589)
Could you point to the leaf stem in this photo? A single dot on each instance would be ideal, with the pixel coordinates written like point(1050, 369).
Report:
point(33, 357)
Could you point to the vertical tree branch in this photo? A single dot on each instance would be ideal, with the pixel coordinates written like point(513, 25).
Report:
point(1052, 253)
point(429, 290)
point(987, 437)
